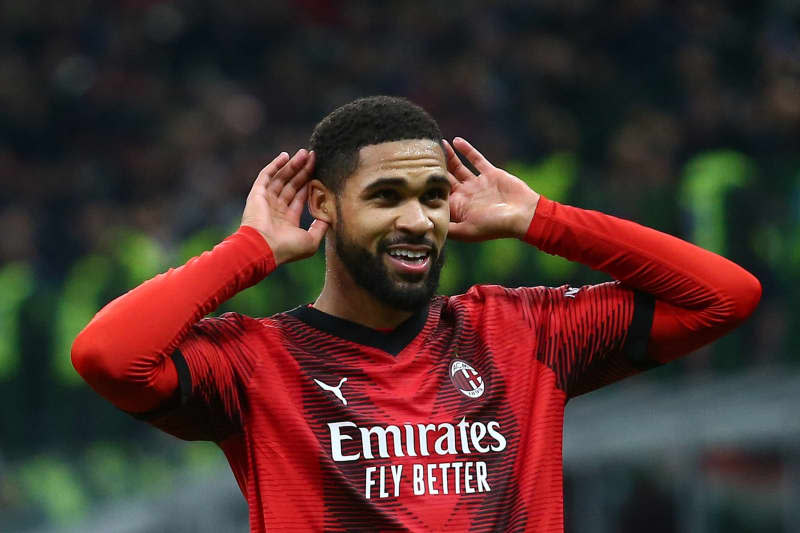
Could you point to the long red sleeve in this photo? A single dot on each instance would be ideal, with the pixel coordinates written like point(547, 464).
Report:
point(700, 295)
point(123, 353)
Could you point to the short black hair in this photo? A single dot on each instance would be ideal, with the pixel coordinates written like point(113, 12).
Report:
point(337, 138)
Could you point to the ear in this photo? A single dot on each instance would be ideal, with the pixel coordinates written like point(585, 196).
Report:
point(321, 202)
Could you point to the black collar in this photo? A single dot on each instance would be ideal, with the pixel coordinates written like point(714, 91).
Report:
point(392, 342)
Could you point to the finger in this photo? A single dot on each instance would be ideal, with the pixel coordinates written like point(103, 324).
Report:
point(298, 181)
point(453, 181)
point(462, 231)
point(288, 171)
point(296, 205)
point(270, 170)
point(473, 156)
point(454, 164)
point(317, 230)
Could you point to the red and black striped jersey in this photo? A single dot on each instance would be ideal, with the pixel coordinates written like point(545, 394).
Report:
point(453, 421)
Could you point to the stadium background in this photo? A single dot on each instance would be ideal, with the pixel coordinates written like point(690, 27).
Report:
point(130, 133)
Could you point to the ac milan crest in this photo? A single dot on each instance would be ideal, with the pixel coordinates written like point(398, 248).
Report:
point(466, 379)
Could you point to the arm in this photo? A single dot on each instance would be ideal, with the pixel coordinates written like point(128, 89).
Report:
point(124, 352)
point(699, 295)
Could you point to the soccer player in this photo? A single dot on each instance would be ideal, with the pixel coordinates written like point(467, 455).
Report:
point(380, 406)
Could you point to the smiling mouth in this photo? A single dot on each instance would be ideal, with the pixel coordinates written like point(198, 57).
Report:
point(409, 256)
point(410, 260)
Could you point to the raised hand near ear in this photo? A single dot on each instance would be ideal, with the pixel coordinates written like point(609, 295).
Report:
point(275, 204)
point(492, 205)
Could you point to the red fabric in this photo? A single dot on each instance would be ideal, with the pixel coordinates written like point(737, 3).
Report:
point(255, 390)
point(124, 351)
point(526, 345)
point(700, 295)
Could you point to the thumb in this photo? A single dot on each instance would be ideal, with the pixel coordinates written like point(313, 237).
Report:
point(317, 230)
point(462, 231)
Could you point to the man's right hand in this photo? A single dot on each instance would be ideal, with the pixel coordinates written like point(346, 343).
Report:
point(275, 204)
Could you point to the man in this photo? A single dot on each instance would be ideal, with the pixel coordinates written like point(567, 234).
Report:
point(381, 406)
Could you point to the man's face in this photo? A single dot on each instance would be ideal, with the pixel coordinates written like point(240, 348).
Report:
point(392, 220)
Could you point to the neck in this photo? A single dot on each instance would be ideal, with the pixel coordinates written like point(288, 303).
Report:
point(342, 297)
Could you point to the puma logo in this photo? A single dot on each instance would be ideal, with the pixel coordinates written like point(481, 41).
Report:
point(335, 390)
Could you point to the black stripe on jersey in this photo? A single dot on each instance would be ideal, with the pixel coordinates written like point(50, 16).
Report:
point(392, 342)
point(181, 396)
point(187, 415)
point(184, 376)
point(639, 332)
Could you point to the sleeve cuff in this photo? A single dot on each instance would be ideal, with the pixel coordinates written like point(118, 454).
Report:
point(540, 222)
point(253, 246)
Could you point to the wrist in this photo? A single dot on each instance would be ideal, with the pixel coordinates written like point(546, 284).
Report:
point(259, 246)
point(279, 258)
point(525, 217)
point(541, 224)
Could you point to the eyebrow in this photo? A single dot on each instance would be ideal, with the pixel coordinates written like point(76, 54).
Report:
point(435, 179)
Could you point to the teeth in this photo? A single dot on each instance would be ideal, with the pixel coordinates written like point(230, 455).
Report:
point(408, 254)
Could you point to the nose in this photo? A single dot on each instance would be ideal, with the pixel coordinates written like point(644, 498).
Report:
point(414, 219)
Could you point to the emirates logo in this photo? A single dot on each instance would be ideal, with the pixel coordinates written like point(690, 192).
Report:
point(466, 379)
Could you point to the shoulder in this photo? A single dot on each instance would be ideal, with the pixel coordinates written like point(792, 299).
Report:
point(228, 326)
point(231, 319)
point(498, 295)
point(530, 304)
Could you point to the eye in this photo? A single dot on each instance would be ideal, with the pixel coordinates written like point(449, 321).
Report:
point(386, 195)
point(435, 194)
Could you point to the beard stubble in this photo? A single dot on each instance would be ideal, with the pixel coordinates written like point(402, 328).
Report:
point(370, 272)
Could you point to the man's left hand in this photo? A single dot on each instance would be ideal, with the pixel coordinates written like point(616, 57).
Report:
point(492, 205)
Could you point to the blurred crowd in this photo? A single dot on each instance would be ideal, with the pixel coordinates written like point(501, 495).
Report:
point(158, 114)
point(151, 118)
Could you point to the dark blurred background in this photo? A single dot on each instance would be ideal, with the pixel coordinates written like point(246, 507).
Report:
point(131, 131)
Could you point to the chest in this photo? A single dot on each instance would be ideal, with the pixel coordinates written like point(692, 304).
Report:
point(443, 393)
point(442, 422)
